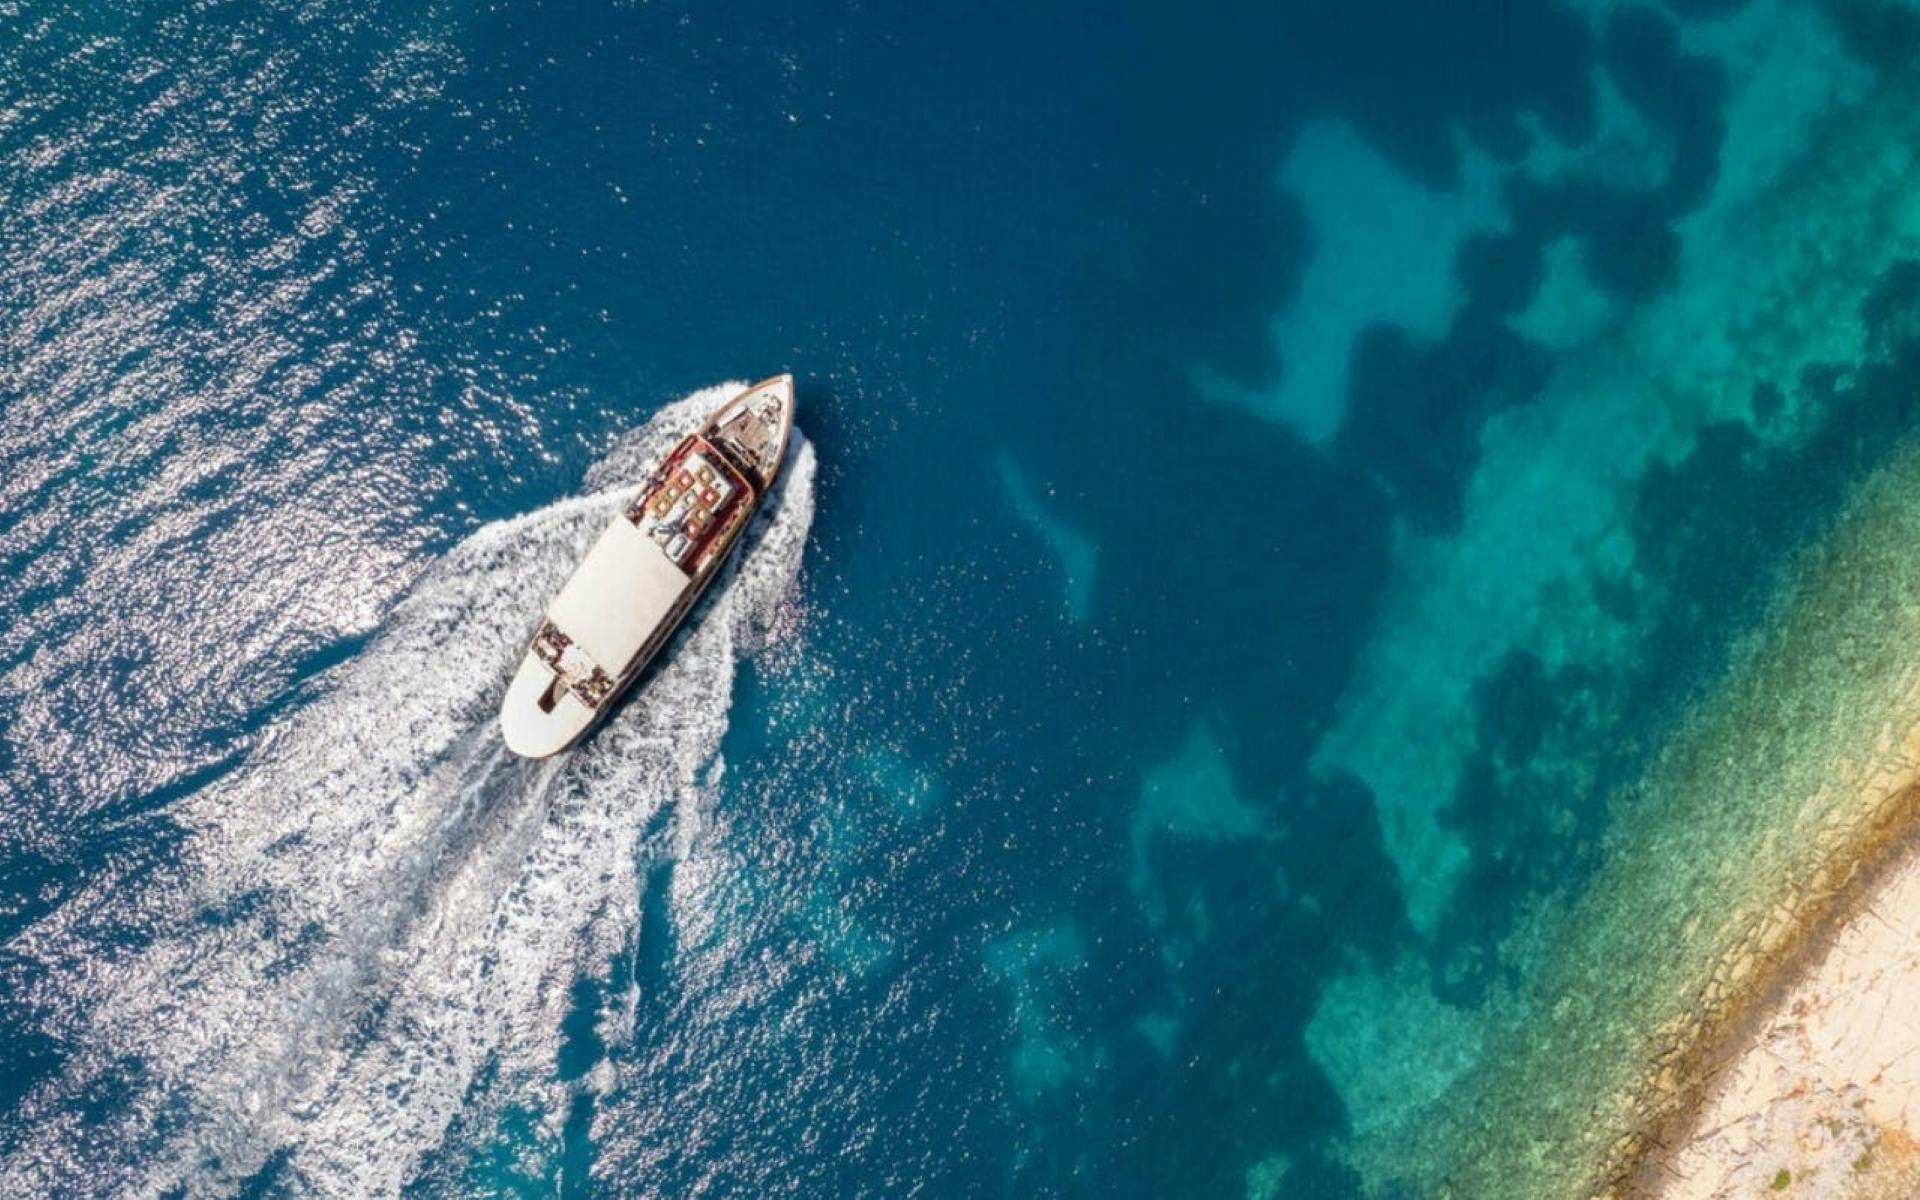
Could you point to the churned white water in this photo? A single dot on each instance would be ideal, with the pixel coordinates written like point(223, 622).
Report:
point(381, 909)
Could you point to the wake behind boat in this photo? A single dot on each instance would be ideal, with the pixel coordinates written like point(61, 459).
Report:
point(641, 578)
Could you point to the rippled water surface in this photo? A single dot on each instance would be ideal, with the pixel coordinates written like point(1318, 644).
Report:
point(1272, 482)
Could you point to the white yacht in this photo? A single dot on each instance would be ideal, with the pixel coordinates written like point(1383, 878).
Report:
point(635, 586)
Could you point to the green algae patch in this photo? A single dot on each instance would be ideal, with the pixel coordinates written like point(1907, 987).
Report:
point(1749, 829)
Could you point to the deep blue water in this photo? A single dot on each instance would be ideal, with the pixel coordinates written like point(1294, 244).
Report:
point(1175, 381)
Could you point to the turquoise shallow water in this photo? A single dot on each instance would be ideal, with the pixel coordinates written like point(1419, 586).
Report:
point(1272, 481)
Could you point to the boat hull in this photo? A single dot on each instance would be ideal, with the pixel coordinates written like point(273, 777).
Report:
point(643, 575)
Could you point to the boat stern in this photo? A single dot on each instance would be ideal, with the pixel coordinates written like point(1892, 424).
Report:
point(540, 717)
point(638, 581)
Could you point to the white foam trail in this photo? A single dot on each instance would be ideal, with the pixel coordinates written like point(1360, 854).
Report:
point(401, 905)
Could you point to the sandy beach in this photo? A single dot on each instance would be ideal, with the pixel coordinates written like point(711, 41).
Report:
point(1822, 1098)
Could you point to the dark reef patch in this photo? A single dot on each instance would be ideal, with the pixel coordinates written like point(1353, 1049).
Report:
point(1411, 76)
point(1687, 96)
point(1715, 529)
point(1709, 9)
point(1264, 923)
point(1414, 412)
point(1525, 810)
point(1882, 34)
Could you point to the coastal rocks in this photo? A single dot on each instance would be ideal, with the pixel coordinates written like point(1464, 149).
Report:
point(1821, 1101)
point(1785, 940)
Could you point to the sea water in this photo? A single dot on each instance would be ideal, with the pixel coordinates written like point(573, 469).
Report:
point(1283, 494)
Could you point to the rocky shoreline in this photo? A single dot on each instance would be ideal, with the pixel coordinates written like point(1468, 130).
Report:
point(1820, 1101)
point(1782, 1065)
